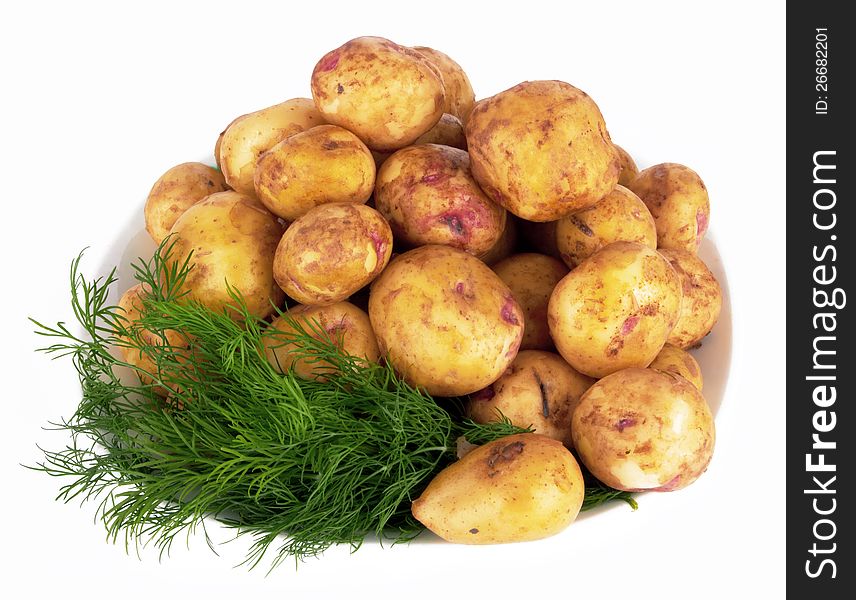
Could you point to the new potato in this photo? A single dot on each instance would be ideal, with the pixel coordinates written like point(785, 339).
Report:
point(628, 169)
point(702, 298)
point(459, 92)
point(678, 362)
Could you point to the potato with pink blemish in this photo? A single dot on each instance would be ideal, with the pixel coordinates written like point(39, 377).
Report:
point(628, 169)
point(448, 324)
point(615, 310)
point(702, 298)
point(678, 201)
point(387, 94)
point(678, 362)
point(644, 430)
point(428, 195)
point(459, 91)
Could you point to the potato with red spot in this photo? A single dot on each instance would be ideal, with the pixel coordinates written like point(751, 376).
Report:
point(460, 97)
point(678, 201)
point(429, 196)
point(702, 298)
point(539, 390)
point(320, 165)
point(517, 488)
point(531, 278)
point(344, 324)
point(448, 324)
point(615, 310)
point(641, 429)
point(678, 362)
point(619, 217)
point(331, 252)
point(387, 94)
point(628, 169)
point(541, 150)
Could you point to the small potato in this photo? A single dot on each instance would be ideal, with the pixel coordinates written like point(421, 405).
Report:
point(640, 429)
point(447, 132)
point(702, 298)
point(331, 252)
point(678, 362)
point(459, 92)
point(233, 239)
point(539, 390)
point(504, 246)
point(387, 94)
point(447, 322)
point(343, 323)
point(540, 237)
point(615, 310)
point(628, 167)
point(517, 488)
point(429, 196)
point(320, 165)
point(177, 190)
point(678, 201)
point(531, 278)
point(249, 136)
point(541, 150)
point(620, 217)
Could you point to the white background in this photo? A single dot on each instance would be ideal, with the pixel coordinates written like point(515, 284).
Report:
point(100, 99)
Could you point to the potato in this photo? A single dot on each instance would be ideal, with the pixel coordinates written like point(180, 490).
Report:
point(628, 169)
point(343, 323)
point(233, 239)
point(517, 488)
point(677, 199)
point(249, 136)
point(541, 150)
point(640, 429)
point(504, 246)
point(531, 278)
point(539, 390)
point(459, 92)
point(615, 310)
point(428, 195)
point(448, 324)
point(177, 190)
point(447, 132)
point(619, 217)
point(540, 237)
point(322, 164)
point(678, 362)
point(702, 298)
point(331, 252)
point(387, 94)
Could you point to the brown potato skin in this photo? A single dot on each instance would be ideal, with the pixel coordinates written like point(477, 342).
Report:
point(679, 362)
point(702, 298)
point(619, 217)
point(517, 488)
point(331, 252)
point(504, 246)
point(343, 323)
point(387, 94)
point(428, 195)
point(541, 150)
point(539, 390)
point(678, 201)
point(320, 165)
point(460, 97)
point(532, 278)
point(640, 429)
point(628, 169)
point(615, 310)
point(436, 302)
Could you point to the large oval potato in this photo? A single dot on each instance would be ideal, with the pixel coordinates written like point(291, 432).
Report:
point(628, 169)
point(428, 195)
point(532, 278)
point(387, 94)
point(539, 390)
point(232, 238)
point(249, 136)
point(619, 217)
point(541, 150)
point(678, 362)
point(331, 252)
point(175, 191)
point(678, 201)
point(447, 323)
point(640, 429)
point(320, 165)
point(460, 97)
point(615, 310)
point(517, 488)
point(702, 298)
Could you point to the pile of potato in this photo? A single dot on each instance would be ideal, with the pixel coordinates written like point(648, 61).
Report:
point(504, 250)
